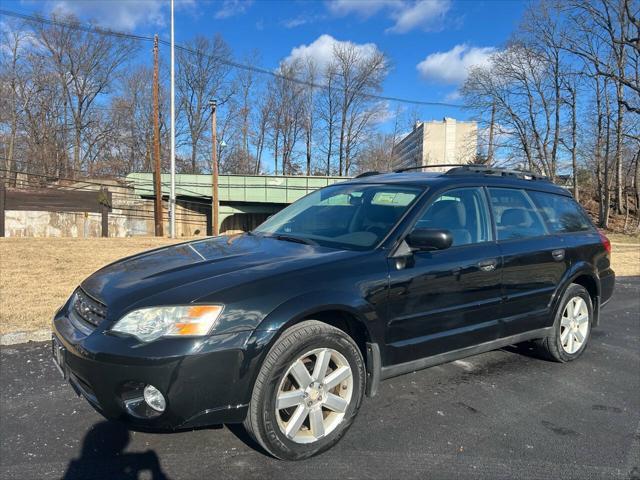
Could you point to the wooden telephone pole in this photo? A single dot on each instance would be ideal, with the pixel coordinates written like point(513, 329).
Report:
point(157, 186)
point(215, 204)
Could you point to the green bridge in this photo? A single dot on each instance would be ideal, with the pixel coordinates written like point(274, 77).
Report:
point(245, 200)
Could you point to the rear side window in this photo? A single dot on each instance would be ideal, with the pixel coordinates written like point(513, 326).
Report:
point(514, 214)
point(561, 214)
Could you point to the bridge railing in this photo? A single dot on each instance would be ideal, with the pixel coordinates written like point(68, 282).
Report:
point(236, 188)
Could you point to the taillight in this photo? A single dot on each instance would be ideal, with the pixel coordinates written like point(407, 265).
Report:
point(605, 242)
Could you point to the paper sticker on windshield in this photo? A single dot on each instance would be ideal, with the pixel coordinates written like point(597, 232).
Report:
point(395, 199)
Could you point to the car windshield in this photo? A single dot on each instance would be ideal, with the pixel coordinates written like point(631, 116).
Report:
point(353, 217)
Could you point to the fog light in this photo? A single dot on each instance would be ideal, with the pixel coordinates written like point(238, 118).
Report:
point(154, 398)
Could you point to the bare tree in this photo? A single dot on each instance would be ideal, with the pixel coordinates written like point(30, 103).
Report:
point(13, 37)
point(609, 22)
point(287, 114)
point(308, 108)
point(328, 111)
point(85, 64)
point(264, 116)
point(201, 76)
point(358, 74)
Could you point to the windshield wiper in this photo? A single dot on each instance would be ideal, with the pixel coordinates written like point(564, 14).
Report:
point(291, 238)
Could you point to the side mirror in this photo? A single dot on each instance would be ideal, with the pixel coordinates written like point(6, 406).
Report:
point(430, 239)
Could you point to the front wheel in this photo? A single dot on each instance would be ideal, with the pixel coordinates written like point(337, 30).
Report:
point(572, 326)
point(308, 391)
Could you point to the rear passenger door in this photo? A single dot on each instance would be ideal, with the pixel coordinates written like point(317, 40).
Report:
point(534, 261)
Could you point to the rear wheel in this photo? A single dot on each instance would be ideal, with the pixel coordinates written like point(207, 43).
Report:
point(572, 326)
point(308, 391)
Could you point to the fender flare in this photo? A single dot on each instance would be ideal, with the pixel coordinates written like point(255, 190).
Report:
point(577, 270)
point(295, 310)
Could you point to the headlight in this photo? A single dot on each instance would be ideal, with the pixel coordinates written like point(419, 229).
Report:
point(148, 324)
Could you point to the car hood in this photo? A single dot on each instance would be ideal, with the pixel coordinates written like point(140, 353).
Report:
point(209, 265)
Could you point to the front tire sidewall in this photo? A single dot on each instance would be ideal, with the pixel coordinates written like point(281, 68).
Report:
point(281, 446)
point(574, 290)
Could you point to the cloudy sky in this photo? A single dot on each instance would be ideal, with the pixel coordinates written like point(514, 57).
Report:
point(431, 43)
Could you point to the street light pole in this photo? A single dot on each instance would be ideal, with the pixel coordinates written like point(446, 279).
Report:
point(172, 194)
point(215, 203)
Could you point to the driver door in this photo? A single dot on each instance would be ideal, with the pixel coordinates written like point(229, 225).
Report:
point(448, 299)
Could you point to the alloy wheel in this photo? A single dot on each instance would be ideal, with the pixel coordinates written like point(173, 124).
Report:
point(314, 395)
point(574, 325)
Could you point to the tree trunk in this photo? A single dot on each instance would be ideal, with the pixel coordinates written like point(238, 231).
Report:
point(343, 124)
point(491, 133)
point(76, 152)
point(193, 158)
point(619, 131)
point(275, 152)
point(556, 129)
point(598, 154)
point(607, 176)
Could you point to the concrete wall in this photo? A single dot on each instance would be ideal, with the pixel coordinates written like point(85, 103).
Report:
point(84, 225)
point(129, 217)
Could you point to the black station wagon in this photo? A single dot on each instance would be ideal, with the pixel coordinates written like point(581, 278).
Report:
point(286, 328)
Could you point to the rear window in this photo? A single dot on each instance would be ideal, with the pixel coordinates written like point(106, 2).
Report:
point(514, 214)
point(561, 214)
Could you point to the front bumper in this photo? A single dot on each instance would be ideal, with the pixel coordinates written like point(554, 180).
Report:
point(205, 381)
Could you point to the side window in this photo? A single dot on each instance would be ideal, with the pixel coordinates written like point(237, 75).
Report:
point(463, 212)
point(561, 214)
point(514, 214)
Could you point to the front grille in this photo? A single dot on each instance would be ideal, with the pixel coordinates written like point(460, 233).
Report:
point(88, 309)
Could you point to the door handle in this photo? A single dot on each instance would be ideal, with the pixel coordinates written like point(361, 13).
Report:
point(558, 255)
point(488, 265)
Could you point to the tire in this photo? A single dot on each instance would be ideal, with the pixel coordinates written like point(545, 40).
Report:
point(337, 394)
point(563, 343)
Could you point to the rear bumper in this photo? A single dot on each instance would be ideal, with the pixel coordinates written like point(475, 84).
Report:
point(205, 381)
point(607, 286)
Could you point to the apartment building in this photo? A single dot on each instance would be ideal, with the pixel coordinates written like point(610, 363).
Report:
point(434, 143)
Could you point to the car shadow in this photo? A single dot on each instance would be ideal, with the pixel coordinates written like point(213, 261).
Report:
point(241, 434)
point(526, 349)
point(103, 456)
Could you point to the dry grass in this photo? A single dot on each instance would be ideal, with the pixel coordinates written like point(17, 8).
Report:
point(38, 274)
point(625, 258)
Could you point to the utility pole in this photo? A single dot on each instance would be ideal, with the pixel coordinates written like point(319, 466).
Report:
point(157, 186)
point(489, 160)
point(172, 193)
point(215, 203)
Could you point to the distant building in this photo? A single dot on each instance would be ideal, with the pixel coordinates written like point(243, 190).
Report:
point(435, 143)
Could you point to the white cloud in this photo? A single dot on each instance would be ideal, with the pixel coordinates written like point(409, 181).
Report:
point(362, 8)
point(116, 14)
point(453, 66)
point(231, 8)
point(321, 50)
point(407, 15)
point(424, 14)
point(294, 22)
point(453, 96)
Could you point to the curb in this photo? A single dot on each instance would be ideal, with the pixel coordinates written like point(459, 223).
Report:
point(24, 337)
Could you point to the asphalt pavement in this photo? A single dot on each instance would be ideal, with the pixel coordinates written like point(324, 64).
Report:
point(500, 415)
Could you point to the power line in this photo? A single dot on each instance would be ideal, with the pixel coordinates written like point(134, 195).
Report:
point(256, 69)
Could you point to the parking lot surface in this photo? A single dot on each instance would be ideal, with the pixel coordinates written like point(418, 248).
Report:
point(504, 414)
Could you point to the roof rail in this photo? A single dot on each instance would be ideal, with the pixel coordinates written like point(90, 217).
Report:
point(367, 174)
point(503, 172)
point(419, 167)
